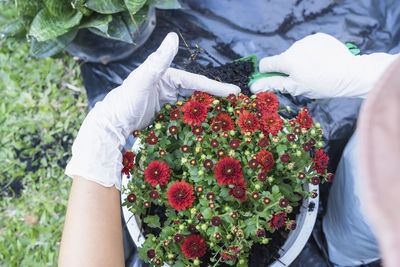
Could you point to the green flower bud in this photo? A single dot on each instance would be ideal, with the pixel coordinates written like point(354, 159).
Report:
point(158, 126)
point(170, 262)
point(181, 227)
point(312, 132)
point(317, 125)
point(265, 241)
point(170, 237)
point(198, 227)
point(270, 179)
point(229, 236)
point(170, 256)
point(294, 146)
point(257, 186)
point(203, 156)
point(261, 135)
point(200, 172)
point(211, 244)
point(183, 160)
point(232, 132)
point(204, 227)
point(320, 144)
point(216, 102)
point(253, 96)
point(247, 153)
point(168, 106)
point(298, 153)
point(143, 186)
point(288, 108)
point(289, 209)
point(242, 261)
point(196, 262)
point(227, 208)
point(230, 109)
point(154, 239)
point(189, 221)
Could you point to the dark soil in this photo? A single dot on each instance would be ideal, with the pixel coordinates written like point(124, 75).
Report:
point(237, 73)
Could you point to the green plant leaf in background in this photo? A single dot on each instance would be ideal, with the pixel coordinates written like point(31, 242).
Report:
point(58, 7)
point(134, 6)
point(51, 47)
point(80, 5)
point(116, 29)
point(17, 27)
point(106, 6)
point(29, 7)
point(133, 21)
point(95, 20)
point(45, 26)
point(165, 4)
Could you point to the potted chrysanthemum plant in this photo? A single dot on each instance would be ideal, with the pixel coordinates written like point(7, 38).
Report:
point(219, 181)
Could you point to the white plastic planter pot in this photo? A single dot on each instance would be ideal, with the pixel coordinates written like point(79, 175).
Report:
point(295, 243)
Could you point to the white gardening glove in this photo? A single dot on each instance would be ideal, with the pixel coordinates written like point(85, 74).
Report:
point(320, 66)
point(96, 152)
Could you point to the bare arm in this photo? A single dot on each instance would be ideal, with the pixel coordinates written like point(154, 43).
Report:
point(92, 233)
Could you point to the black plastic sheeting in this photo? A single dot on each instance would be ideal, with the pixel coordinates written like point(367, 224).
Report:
point(229, 29)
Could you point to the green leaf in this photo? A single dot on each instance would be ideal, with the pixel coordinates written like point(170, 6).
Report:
point(117, 30)
point(80, 5)
point(134, 6)
point(207, 213)
point(58, 7)
point(45, 26)
point(95, 20)
point(16, 28)
point(178, 264)
point(106, 6)
point(51, 47)
point(152, 221)
point(281, 149)
point(29, 7)
point(165, 4)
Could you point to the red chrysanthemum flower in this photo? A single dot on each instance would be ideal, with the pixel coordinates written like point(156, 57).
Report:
point(263, 142)
point(227, 257)
point(239, 191)
point(228, 171)
point(320, 161)
point(180, 195)
point(285, 158)
point(231, 98)
point(234, 143)
point(157, 172)
point(226, 122)
point(278, 220)
point(175, 114)
point(203, 98)
point(265, 159)
point(194, 112)
point(247, 122)
point(194, 246)
point(304, 119)
point(267, 101)
point(127, 162)
point(197, 130)
point(152, 139)
point(271, 123)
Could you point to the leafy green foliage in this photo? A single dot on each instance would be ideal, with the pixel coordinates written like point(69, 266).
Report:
point(55, 21)
point(39, 119)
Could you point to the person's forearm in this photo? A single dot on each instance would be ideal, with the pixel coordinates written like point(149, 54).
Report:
point(92, 233)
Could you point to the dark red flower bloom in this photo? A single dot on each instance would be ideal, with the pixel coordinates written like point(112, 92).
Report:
point(162, 153)
point(263, 142)
point(194, 112)
point(231, 98)
point(311, 141)
point(297, 130)
point(266, 200)
point(292, 123)
point(173, 129)
point(217, 236)
point(200, 217)
point(215, 127)
point(160, 117)
point(127, 162)
point(247, 122)
point(226, 122)
point(314, 194)
point(315, 180)
point(234, 143)
point(152, 139)
point(235, 250)
point(260, 232)
point(200, 139)
point(210, 196)
point(176, 221)
point(214, 143)
point(146, 204)
point(178, 238)
point(265, 159)
point(306, 146)
point(157, 261)
point(290, 137)
point(194, 246)
point(185, 149)
point(211, 205)
point(255, 195)
point(259, 114)
point(216, 221)
point(218, 107)
point(238, 191)
point(199, 189)
point(157, 172)
point(271, 123)
point(192, 228)
point(221, 152)
point(278, 220)
point(267, 101)
point(193, 162)
point(227, 257)
point(131, 198)
point(151, 253)
point(136, 133)
point(208, 164)
point(301, 175)
point(305, 109)
point(283, 203)
point(262, 177)
point(304, 119)
point(153, 194)
point(320, 161)
point(197, 129)
point(253, 163)
point(180, 195)
point(234, 215)
point(225, 135)
point(292, 226)
point(330, 177)
point(228, 171)
point(285, 158)
point(203, 98)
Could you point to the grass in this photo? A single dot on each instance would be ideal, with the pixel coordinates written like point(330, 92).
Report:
point(39, 118)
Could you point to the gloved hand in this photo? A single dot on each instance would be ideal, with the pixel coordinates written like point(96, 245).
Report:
point(320, 66)
point(96, 152)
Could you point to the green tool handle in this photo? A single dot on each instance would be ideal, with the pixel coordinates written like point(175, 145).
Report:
point(258, 75)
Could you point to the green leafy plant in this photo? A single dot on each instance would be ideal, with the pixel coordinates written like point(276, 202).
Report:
point(51, 25)
point(224, 174)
